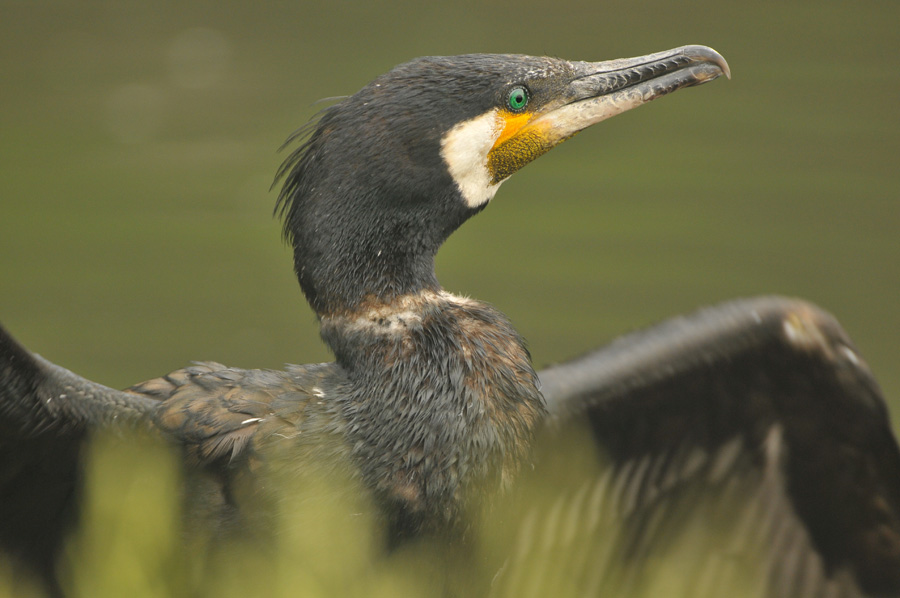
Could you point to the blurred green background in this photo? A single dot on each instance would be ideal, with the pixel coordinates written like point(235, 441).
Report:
point(138, 143)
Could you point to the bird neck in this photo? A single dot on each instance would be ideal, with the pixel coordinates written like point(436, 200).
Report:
point(360, 239)
point(354, 276)
point(345, 266)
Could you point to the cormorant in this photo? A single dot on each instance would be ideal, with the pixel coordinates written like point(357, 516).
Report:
point(432, 404)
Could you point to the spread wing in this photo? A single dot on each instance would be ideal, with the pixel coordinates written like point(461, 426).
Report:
point(743, 448)
point(45, 414)
point(217, 415)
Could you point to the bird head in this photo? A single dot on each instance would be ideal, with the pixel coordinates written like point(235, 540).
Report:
point(386, 174)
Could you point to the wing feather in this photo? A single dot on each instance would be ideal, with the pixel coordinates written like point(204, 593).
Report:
point(746, 442)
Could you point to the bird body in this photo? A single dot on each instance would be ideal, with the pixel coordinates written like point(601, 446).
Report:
point(432, 408)
point(448, 377)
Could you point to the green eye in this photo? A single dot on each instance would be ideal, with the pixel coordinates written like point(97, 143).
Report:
point(518, 98)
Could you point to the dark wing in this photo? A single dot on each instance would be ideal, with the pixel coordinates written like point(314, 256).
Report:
point(217, 415)
point(45, 413)
point(744, 447)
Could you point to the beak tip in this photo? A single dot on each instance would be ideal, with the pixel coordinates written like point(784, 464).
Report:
point(707, 54)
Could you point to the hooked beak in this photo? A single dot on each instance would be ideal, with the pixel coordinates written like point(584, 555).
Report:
point(603, 89)
point(599, 90)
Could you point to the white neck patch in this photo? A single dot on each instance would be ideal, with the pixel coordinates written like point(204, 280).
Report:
point(465, 150)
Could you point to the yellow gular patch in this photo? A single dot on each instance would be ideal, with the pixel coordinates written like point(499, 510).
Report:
point(521, 141)
point(512, 124)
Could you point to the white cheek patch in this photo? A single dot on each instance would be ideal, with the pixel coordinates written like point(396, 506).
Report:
point(465, 149)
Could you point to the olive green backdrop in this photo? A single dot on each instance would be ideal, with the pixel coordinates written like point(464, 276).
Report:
point(138, 143)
